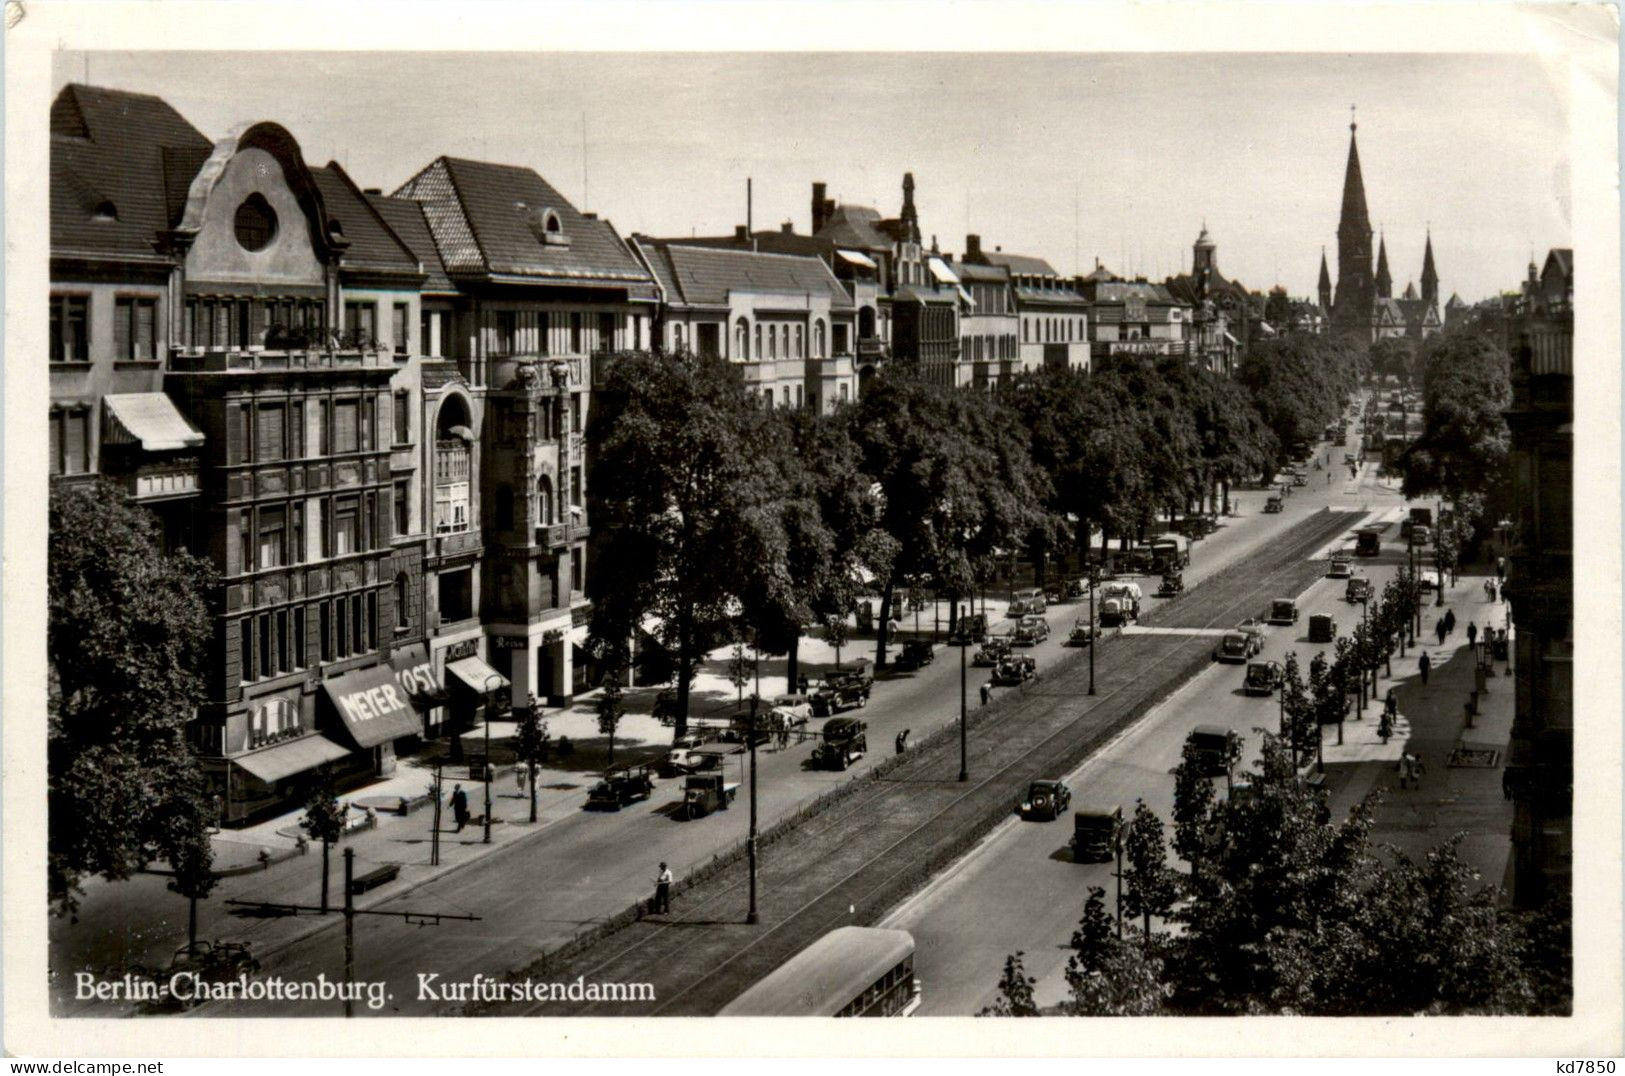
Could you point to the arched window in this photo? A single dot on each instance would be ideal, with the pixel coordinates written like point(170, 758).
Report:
point(544, 502)
point(818, 339)
point(677, 337)
point(759, 352)
point(772, 341)
point(801, 342)
point(403, 610)
point(742, 339)
point(866, 323)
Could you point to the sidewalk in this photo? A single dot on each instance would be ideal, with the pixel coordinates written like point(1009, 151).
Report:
point(1460, 790)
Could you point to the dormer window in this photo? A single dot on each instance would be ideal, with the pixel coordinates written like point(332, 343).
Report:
point(544, 224)
point(105, 211)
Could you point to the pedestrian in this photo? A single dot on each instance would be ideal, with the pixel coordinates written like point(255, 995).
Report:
point(662, 903)
point(459, 807)
point(519, 779)
point(801, 685)
point(1385, 727)
point(987, 691)
point(1440, 630)
point(784, 735)
point(1390, 705)
point(1449, 618)
point(1424, 664)
point(902, 741)
point(1472, 633)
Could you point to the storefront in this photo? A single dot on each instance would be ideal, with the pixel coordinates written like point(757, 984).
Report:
point(375, 711)
point(472, 685)
point(414, 671)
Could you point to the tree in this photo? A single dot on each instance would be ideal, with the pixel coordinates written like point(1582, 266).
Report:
point(1015, 991)
point(192, 860)
point(1150, 886)
point(1465, 444)
point(1109, 976)
point(836, 631)
point(531, 741)
point(1194, 804)
point(127, 634)
point(687, 511)
point(739, 670)
point(1393, 356)
point(323, 819)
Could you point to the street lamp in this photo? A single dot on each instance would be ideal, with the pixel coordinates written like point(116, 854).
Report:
point(1094, 631)
point(1365, 623)
point(964, 644)
point(750, 844)
point(486, 763)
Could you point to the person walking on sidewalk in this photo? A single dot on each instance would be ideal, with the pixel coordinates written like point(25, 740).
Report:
point(662, 901)
point(1441, 630)
point(459, 807)
point(1472, 633)
point(1449, 618)
point(1423, 664)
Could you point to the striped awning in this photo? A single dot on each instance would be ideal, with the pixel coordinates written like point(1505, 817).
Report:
point(856, 258)
point(148, 419)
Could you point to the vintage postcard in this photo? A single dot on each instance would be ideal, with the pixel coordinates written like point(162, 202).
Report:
point(581, 517)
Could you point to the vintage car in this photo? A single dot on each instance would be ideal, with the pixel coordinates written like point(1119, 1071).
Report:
point(1076, 588)
point(972, 628)
point(1083, 633)
point(621, 786)
point(1119, 604)
point(1263, 677)
point(1046, 799)
point(1273, 503)
point(1026, 602)
point(704, 793)
point(1234, 648)
point(1357, 590)
point(1428, 579)
point(1322, 629)
point(846, 739)
point(1014, 671)
point(1096, 833)
point(842, 689)
point(1421, 535)
point(1299, 478)
point(1213, 748)
point(792, 710)
point(1031, 631)
point(1283, 611)
point(990, 653)
point(1340, 567)
point(916, 653)
point(1255, 628)
point(1172, 584)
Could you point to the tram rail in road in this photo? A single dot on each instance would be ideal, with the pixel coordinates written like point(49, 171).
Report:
point(875, 845)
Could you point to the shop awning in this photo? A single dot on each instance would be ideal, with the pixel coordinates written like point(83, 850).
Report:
point(966, 299)
point(148, 419)
point(940, 270)
point(856, 258)
point(373, 706)
point(476, 675)
point(295, 756)
point(415, 673)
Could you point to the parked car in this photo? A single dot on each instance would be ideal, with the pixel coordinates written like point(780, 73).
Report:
point(1340, 567)
point(1046, 799)
point(1077, 588)
point(1357, 590)
point(1322, 629)
point(792, 710)
point(1428, 579)
point(846, 740)
point(1234, 648)
point(1283, 611)
point(1015, 670)
point(993, 651)
point(620, 787)
point(1299, 478)
point(1031, 631)
point(1172, 584)
point(1262, 678)
point(1096, 833)
point(1025, 602)
point(842, 689)
point(1255, 628)
point(1273, 503)
point(1083, 633)
point(916, 654)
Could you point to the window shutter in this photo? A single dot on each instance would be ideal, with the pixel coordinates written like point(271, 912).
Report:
point(121, 330)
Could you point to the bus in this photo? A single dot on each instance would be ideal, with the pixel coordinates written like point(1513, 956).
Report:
point(851, 971)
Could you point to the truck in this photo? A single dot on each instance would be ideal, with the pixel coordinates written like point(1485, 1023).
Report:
point(1119, 604)
point(845, 741)
point(704, 793)
point(1170, 553)
point(1367, 542)
point(1096, 832)
point(1213, 748)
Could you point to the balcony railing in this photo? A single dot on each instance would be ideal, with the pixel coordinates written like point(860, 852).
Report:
point(219, 360)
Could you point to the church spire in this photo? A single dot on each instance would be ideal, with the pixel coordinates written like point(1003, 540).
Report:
point(1430, 276)
point(1354, 210)
point(1385, 282)
point(1325, 283)
point(1356, 294)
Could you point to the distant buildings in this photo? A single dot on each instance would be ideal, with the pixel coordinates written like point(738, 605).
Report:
point(1054, 317)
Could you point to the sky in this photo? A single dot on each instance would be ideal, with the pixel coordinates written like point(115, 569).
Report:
point(1119, 158)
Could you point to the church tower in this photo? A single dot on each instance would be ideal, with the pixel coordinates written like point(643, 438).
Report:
point(1385, 282)
point(1356, 290)
point(1325, 284)
point(1204, 262)
point(1430, 278)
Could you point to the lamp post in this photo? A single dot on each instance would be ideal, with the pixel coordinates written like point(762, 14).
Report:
point(1365, 623)
point(964, 644)
point(750, 844)
point(485, 764)
point(1094, 631)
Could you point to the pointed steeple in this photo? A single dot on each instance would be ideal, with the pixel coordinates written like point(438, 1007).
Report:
point(1430, 277)
point(1354, 211)
point(1356, 294)
point(1325, 283)
point(1385, 282)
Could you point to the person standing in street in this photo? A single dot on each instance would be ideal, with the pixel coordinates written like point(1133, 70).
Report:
point(987, 691)
point(662, 902)
point(1423, 665)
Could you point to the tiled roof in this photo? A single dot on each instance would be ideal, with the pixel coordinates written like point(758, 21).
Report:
point(373, 246)
point(653, 254)
point(996, 274)
point(855, 226)
point(489, 219)
point(1021, 264)
point(1117, 291)
point(1048, 296)
point(128, 149)
point(405, 219)
point(706, 275)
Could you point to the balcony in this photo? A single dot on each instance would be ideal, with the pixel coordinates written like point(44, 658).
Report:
point(224, 360)
point(559, 535)
point(452, 543)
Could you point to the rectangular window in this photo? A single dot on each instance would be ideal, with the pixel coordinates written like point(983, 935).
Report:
point(372, 620)
point(506, 330)
point(577, 405)
point(70, 328)
point(296, 430)
point(283, 662)
point(245, 647)
point(324, 628)
point(843, 394)
point(323, 436)
point(403, 507)
point(575, 486)
point(403, 418)
point(369, 423)
point(456, 590)
point(300, 656)
point(372, 529)
point(325, 525)
point(398, 329)
point(133, 323)
point(346, 426)
point(575, 570)
point(346, 526)
point(341, 627)
point(296, 533)
point(70, 444)
point(270, 433)
point(361, 322)
point(575, 333)
point(273, 530)
point(262, 629)
point(798, 397)
point(606, 332)
point(358, 627)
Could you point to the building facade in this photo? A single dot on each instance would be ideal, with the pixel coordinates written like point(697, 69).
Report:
point(989, 325)
point(1540, 583)
point(1053, 316)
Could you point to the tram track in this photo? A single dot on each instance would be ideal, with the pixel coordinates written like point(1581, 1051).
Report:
point(854, 861)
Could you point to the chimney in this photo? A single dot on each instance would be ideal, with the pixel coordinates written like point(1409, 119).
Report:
point(819, 210)
point(787, 228)
point(590, 216)
point(908, 196)
point(372, 190)
point(973, 247)
point(741, 232)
